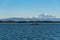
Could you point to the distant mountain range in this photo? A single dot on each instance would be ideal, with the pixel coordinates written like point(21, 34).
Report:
point(42, 17)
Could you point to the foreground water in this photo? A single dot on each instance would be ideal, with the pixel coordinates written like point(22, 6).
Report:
point(42, 31)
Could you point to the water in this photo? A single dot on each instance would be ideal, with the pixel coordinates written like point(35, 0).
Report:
point(30, 32)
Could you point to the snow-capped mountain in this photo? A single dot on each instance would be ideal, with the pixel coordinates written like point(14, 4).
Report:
point(42, 17)
point(45, 16)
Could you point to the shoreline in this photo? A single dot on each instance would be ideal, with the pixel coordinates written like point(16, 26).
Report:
point(31, 23)
point(37, 22)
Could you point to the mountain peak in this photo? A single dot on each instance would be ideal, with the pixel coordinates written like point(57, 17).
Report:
point(45, 16)
point(42, 17)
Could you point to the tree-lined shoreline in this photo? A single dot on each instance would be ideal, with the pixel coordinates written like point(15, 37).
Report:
point(29, 21)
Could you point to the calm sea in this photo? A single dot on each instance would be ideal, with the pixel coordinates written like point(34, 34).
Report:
point(42, 31)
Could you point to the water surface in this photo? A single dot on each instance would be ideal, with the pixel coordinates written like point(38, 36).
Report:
point(48, 31)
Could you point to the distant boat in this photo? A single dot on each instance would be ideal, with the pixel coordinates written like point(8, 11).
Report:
point(34, 23)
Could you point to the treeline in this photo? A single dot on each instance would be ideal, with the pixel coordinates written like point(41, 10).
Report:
point(29, 21)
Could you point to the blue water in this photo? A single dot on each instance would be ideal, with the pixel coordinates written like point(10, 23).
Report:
point(30, 32)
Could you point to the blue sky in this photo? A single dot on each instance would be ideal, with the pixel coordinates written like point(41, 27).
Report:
point(28, 8)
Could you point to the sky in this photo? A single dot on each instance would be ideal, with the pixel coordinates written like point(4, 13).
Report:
point(29, 8)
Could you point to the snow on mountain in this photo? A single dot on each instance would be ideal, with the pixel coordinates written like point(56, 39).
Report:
point(45, 16)
point(42, 17)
